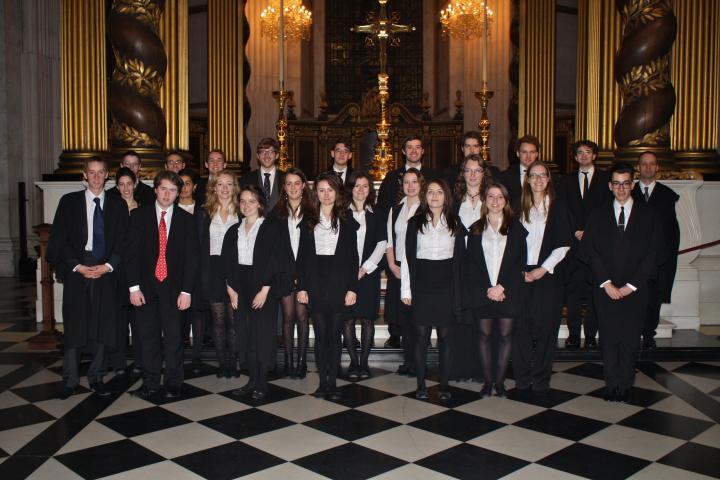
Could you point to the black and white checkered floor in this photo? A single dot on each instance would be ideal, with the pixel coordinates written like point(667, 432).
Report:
point(669, 430)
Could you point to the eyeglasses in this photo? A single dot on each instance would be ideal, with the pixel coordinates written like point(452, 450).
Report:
point(267, 151)
point(477, 171)
point(175, 162)
point(536, 176)
point(627, 184)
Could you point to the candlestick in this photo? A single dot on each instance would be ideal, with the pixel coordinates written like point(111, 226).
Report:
point(485, 45)
point(282, 46)
point(484, 124)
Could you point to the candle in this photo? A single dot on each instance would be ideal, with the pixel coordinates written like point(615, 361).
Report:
point(282, 46)
point(485, 45)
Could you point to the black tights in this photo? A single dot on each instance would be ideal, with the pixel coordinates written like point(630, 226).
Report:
point(328, 346)
point(367, 338)
point(198, 332)
point(422, 336)
point(224, 333)
point(504, 348)
point(295, 313)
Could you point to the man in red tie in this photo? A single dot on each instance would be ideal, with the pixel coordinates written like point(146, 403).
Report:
point(161, 268)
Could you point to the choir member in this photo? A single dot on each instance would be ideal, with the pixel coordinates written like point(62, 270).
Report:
point(174, 161)
point(161, 270)
point(527, 150)
point(186, 198)
point(252, 269)
point(85, 250)
point(371, 245)
point(396, 312)
point(492, 281)
point(221, 212)
point(327, 276)
point(341, 155)
point(548, 241)
point(294, 206)
point(434, 244)
point(623, 244)
point(268, 176)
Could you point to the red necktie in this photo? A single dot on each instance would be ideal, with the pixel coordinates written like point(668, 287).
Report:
point(161, 265)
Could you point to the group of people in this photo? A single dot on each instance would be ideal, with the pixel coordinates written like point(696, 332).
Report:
point(487, 258)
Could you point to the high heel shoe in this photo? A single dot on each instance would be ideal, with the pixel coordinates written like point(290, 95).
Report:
point(500, 390)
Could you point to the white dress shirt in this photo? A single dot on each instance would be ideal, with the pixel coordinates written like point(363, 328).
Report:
point(436, 242)
point(294, 231)
point(218, 229)
point(523, 170)
point(272, 173)
point(246, 241)
point(627, 209)
point(90, 213)
point(469, 214)
point(536, 233)
point(400, 228)
point(325, 237)
point(370, 265)
point(650, 188)
point(342, 170)
point(493, 243)
point(188, 208)
point(581, 178)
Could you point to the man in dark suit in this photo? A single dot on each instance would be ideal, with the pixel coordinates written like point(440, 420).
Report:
point(469, 145)
point(174, 161)
point(162, 263)
point(582, 191)
point(143, 193)
point(663, 199)
point(527, 149)
point(85, 250)
point(341, 155)
point(268, 177)
point(214, 163)
point(622, 244)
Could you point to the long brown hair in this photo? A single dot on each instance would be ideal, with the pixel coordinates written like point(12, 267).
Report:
point(354, 177)
point(421, 181)
point(339, 208)
point(526, 201)
point(461, 184)
point(423, 213)
point(212, 204)
point(306, 201)
point(479, 227)
point(259, 197)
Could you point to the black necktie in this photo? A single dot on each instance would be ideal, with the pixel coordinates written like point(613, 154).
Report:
point(647, 194)
point(621, 221)
point(98, 248)
point(266, 186)
point(339, 174)
point(586, 184)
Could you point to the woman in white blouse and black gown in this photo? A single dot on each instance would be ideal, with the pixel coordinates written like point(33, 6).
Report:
point(396, 311)
point(434, 246)
point(295, 205)
point(253, 270)
point(492, 282)
point(371, 244)
point(548, 241)
point(327, 266)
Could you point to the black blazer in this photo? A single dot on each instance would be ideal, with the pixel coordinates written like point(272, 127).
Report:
point(476, 279)
point(343, 277)
point(511, 179)
point(375, 231)
point(392, 183)
point(557, 233)
point(143, 247)
point(256, 177)
point(268, 267)
point(580, 207)
point(663, 199)
point(632, 258)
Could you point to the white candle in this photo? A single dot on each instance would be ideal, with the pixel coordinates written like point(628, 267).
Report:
point(282, 46)
point(485, 46)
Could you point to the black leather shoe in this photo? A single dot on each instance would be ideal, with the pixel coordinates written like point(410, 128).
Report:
point(143, 392)
point(99, 389)
point(173, 391)
point(610, 394)
point(196, 366)
point(421, 394)
point(486, 391)
point(246, 389)
point(445, 395)
point(364, 372)
point(649, 344)
point(591, 344)
point(67, 392)
point(402, 369)
point(572, 342)
point(320, 392)
point(623, 396)
point(500, 390)
point(393, 342)
point(333, 394)
point(258, 394)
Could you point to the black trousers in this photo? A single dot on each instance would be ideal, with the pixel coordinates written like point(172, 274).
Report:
point(161, 331)
point(538, 324)
point(127, 322)
point(579, 291)
point(652, 312)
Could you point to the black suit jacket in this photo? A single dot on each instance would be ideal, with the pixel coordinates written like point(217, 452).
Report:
point(392, 183)
point(256, 177)
point(557, 233)
point(346, 175)
point(143, 247)
point(663, 199)
point(580, 207)
point(511, 179)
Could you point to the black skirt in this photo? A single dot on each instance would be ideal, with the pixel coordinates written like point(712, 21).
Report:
point(217, 290)
point(323, 301)
point(368, 297)
point(433, 293)
point(255, 328)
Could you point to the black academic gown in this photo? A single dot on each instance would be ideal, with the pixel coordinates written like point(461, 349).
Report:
point(256, 177)
point(368, 298)
point(84, 321)
point(510, 178)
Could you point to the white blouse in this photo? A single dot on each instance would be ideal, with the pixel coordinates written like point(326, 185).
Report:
point(218, 229)
point(434, 243)
point(469, 214)
point(371, 263)
point(536, 233)
point(188, 208)
point(294, 231)
point(400, 228)
point(493, 244)
point(325, 237)
point(246, 241)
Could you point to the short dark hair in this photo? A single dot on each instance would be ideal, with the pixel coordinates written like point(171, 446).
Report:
point(259, 196)
point(648, 152)
point(189, 172)
point(170, 176)
point(586, 143)
point(470, 134)
point(175, 152)
point(131, 153)
point(125, 172)
point(94, 158)
point(267, 142)
point(344, 141)
point(622, 167)
point(531, 139)
point(216, 150)
point(410, 138)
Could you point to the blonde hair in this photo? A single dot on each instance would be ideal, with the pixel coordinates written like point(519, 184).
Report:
point(212, 203)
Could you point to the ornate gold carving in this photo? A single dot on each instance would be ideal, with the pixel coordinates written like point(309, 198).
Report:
point(645, 79)
point(370, 103)
point(130, 135)
point(132, 72)
point(661, 136)
point(146, 11)
point(639, 12)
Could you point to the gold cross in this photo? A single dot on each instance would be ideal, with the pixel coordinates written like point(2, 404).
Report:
point(382, 28)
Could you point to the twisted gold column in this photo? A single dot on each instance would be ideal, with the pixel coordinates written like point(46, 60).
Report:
point(695, 72)
point(225, 78)
point(537, 73)
point(82, 82)
point(174, 92)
